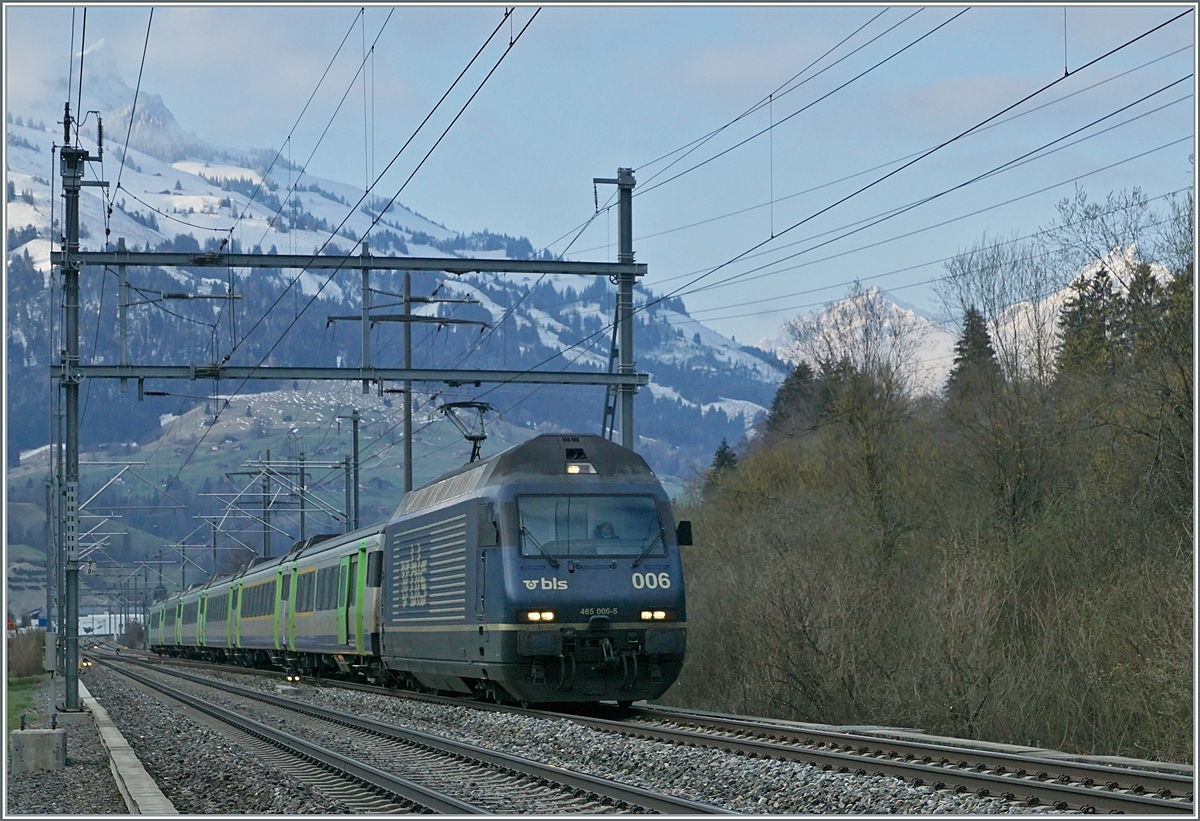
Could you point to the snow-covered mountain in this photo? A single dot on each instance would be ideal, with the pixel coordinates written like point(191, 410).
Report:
point(1024, 334)
point(932, 344)
point(180, 193)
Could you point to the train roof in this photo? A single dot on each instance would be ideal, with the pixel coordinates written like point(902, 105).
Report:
point(549, 455)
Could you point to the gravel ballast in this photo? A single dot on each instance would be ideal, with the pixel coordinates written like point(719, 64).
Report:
point(84, 786)
point(200, 771)
point(705, 775)
point(197, 769)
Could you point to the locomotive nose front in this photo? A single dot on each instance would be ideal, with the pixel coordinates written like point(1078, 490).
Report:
point(600, 614)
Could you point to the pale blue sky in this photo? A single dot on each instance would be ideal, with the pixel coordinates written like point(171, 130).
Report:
point(587, 89)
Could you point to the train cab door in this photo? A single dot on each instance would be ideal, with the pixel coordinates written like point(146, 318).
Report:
point(201, 621)
point(353, 611)
point(290, 581)
point(343, 618)
point(233, 626)
point(281, 601)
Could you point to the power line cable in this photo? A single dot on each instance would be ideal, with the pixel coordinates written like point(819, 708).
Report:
point(996, 170)
point(825, 96)
point(778, 92)
point(848, 177)
point(923, 155)
point(133, 110)
point(709, 311)
point(79, 94)
point(237, 390)
point(293, 186)
point(413, 136)
point(652, 302)
point(296, 124)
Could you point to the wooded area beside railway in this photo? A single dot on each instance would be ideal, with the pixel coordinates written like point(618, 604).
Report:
point(1011, 559)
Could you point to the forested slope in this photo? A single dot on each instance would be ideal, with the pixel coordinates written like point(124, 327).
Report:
point(1011, 560)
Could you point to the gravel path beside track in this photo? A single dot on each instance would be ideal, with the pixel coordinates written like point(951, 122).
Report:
point(196, 768)
point(85, 785)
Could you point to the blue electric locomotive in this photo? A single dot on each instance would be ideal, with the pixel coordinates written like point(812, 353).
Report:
point(547, 573)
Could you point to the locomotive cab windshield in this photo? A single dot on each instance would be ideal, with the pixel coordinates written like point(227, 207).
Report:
point(574, 526)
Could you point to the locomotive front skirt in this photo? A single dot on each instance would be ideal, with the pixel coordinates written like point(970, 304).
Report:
point(547, 573)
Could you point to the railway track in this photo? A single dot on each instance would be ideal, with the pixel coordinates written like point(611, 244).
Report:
point(352, 781)
point(557, 790)
point(1028, 779)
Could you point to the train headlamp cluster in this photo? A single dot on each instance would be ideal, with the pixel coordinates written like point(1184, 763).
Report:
point(654, 615)
point(580, 467)
point(539, 615)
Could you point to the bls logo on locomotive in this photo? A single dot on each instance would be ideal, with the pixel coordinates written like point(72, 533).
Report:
point(546, 584)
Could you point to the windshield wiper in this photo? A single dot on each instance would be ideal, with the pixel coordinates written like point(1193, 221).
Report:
point(538, 545)
point(649, 547)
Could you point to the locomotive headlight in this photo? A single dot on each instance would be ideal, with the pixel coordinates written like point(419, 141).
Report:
point(654, 615)
point(580, 467)
point(540, 615)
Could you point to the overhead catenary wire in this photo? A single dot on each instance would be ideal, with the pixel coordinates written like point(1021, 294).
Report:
point(719, 312)
point(383, 211)
point(293, 185)
point(300, 117)
point(762, 271)
point(777, 92)
point(200, 439)
point(652, 302)
point(79, 92)
point(765, 270)
point(996, 170)
point(922, 156)
point(804, 108)
point(133, 109)
point(846, 178)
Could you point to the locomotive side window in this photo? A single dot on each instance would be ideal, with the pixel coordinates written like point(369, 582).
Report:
point(578, 525)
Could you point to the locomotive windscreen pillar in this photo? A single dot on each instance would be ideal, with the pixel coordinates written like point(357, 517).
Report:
point(625, 183)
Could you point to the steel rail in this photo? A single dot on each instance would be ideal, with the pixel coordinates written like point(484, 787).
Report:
point(1031, 786)
point(351, 769)
point(1111, 776)
point(601, 787)
point(1028, 789)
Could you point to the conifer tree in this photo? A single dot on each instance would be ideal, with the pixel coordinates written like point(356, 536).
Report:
point(1090, 326)
point(795, 399)
point(725, 458)
point(1143, 316)
point(975, 367)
